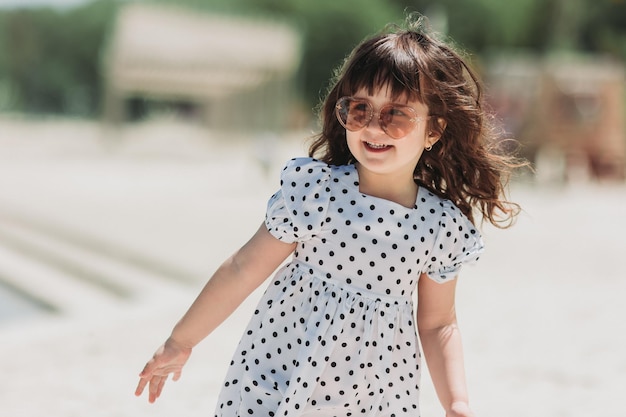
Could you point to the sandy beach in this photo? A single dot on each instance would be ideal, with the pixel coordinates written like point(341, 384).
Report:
point(115, 232)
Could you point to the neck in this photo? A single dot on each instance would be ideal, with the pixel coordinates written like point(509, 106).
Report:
point(400, 189)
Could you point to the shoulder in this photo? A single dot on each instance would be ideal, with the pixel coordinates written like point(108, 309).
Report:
point(450, 213)
point(304, 166)
point(306, 172)
point(447, 216)
point(456, 240)
point(297, 210)
point(305, 179)
point(440, 207)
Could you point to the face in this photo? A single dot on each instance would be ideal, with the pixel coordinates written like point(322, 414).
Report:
point(372, 146)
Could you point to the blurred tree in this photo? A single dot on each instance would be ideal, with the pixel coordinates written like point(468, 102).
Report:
point(540, 25)
point(605, 28)
point(331, 30)
point(50, 60)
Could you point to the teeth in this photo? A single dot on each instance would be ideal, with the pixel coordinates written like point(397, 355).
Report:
point(376, 145)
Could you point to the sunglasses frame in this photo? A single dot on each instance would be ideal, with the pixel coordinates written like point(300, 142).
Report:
point(371, 113)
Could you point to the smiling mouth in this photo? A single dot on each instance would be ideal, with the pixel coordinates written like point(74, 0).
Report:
point(376, 145)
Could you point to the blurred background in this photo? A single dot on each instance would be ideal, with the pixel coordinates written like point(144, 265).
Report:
point(140, 141)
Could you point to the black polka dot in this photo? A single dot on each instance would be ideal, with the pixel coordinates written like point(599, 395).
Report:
point(334, 328)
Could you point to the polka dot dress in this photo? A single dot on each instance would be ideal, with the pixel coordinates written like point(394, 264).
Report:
point(334, 334)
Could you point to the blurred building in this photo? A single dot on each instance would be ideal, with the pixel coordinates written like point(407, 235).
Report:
point(567, 112)
point(231, 73)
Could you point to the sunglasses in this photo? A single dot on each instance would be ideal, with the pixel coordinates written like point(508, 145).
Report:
point(395, 120)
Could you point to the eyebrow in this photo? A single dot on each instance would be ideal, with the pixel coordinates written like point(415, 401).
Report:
point(395, 103)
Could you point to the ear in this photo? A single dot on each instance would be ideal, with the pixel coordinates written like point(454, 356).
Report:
point(435, 135)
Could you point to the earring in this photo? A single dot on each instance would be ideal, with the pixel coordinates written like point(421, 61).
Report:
point(428, 148)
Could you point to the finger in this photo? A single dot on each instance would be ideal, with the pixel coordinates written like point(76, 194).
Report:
point(176, 376)
point(156, 384)
point(160, 387)
point(152, 388)
point(140, 386)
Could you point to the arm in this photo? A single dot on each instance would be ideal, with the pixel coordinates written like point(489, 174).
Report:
point(233, 281)
point(441, 342)
point(229, 286)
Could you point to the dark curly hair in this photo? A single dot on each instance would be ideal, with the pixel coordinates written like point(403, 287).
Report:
point(464, 165)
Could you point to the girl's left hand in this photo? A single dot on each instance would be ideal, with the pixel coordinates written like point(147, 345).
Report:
point(168, 359)
point(460, 409)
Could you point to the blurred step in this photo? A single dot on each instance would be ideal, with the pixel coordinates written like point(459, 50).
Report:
point(95, 244)
point(101, 273)
point(52, 289)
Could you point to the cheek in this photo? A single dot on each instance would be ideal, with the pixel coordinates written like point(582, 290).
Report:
point(352, 140)
point(345, 145)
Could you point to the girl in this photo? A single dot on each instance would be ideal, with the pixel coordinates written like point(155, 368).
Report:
point(403, 161)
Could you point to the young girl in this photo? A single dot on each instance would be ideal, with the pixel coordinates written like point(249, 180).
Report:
point(403, 160)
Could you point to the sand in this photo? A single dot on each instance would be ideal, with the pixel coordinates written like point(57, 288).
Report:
point(151, 209)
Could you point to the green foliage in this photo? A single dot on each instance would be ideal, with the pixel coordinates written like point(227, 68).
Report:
point(331, 30)
point(606, 28)
point(539, 25)
point(50, 61)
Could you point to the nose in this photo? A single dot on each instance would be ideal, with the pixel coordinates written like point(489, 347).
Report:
point(375, 121)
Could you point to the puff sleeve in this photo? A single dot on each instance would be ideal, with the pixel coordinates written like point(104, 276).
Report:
point(457, 242)
point(296, 212)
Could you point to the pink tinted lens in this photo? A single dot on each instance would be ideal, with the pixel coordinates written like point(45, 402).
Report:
point(353, 114)
point(395, 120)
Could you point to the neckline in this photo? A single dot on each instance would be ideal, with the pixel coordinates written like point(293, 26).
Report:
point(351, 169)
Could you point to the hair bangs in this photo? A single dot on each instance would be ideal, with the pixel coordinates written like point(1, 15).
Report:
point(384, 65)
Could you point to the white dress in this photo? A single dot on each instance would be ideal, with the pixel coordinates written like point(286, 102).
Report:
point(334, 334)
